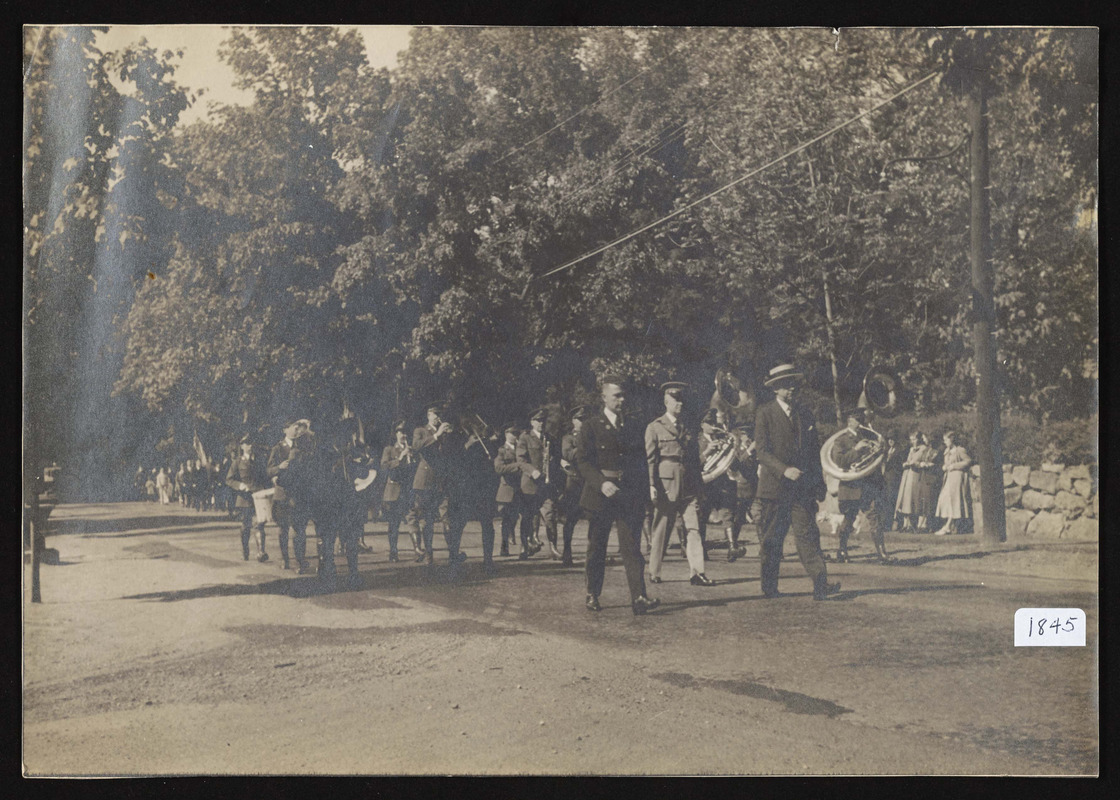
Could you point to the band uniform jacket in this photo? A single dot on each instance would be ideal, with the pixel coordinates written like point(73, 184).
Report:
point(248, 471)
point(602, 446)
point(783, 442)
point(425, 445)
point(530, 456)
point(843, 453)
point(276, 456)
point(505, 464)
point(673, 459)
point(399, 471)
point(568, 453)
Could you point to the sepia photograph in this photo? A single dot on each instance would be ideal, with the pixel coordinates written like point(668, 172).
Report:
point(488, 401)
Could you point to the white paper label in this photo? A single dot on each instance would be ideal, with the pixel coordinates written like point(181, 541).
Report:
point(1049, 627)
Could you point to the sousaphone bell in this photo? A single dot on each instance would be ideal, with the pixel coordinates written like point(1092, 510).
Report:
point(881, 389)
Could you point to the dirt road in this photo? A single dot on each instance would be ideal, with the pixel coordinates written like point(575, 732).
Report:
point(158, 650)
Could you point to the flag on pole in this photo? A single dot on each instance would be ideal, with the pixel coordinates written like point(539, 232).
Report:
point(201, 452)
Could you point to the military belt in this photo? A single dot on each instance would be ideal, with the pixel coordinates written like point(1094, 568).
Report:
point(612, 473)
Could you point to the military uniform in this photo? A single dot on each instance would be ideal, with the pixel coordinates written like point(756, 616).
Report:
point(430, 487)
point(285, 513)
point(508, 496)
point(537, 452)
point(568, 503)
point(399, 465)
point(673, 461)
point(251, 473)
point(611, 450)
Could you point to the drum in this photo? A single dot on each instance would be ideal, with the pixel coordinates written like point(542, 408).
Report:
point(262, 505)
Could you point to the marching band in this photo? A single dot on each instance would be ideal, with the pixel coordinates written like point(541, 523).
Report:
point(679, 472)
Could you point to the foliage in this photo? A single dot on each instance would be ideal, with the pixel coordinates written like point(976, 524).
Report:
point(372, 238)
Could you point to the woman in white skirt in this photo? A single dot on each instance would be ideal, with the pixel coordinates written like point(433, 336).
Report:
point(955, 501)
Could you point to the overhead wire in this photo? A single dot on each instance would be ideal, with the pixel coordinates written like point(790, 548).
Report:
point(737, 181)
point(570, 117)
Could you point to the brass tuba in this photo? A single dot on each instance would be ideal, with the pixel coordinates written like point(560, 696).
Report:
point(881, 390)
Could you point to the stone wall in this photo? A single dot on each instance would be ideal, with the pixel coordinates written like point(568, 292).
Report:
point(1054, 501)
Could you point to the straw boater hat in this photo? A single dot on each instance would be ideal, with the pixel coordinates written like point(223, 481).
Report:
point(783, 373)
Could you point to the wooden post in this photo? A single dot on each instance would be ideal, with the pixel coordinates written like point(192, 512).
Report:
point(989, 439)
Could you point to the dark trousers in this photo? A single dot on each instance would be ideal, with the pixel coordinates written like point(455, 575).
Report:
point(779, 517)
point(629, 523)
point(247, 515)
point(870, 503)
point(288, 517)
point(428, 504)
point(508, 513)
point(394, 513)
point(345, 528)
point(739, 515)
point(532, 504)
point(569, 507)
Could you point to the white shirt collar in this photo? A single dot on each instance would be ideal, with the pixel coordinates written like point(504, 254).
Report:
point(611, 416)
point(288, 442)
point(671, 418)
point(785, 406)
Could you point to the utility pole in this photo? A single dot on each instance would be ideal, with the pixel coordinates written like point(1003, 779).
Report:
point(989, 437)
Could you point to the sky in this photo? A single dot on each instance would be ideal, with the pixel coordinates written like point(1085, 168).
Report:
point(200, 66)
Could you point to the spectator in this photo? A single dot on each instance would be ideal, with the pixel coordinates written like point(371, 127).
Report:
point(954, 504)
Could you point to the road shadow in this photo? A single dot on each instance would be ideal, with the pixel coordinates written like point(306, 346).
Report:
point(919, 561)
point(716, 602)
point(440, 577)
point(132, 526)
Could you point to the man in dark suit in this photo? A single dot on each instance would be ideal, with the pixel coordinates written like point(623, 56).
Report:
point(573, 484)
point(610, 455)
point(284, 510)
point(509, 486)
point(432, 443)
point(673, 462)
point(865, 494)
point(399, 465)
point(538, 458)
point(790, 483)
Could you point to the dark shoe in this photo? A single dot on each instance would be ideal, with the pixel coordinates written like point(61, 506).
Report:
point(842, 555)
point(354, 582)
point(430, 559)
point(770, 595)
point(523, 555)
point(286, 564)
point(566, 560)
point(642, 604)
point(457, 559)
point(700, 579)
point(263, 557)
point(654, 579)
point(592, 603)
point(488, 567)
point(535, 548)
point(364, 549)
point(732, 554)
point(421, 557)
point(393, 558)
point(504, 552)
point(822, 593)
point(304, 568)
point(245, 555)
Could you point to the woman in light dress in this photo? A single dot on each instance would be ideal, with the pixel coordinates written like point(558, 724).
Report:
point(954, 504)
point(909, 505)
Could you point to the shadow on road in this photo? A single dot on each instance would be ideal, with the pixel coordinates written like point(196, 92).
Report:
point(439, 577)
point(922, 560)
point(905, 590)
point(133, 526)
